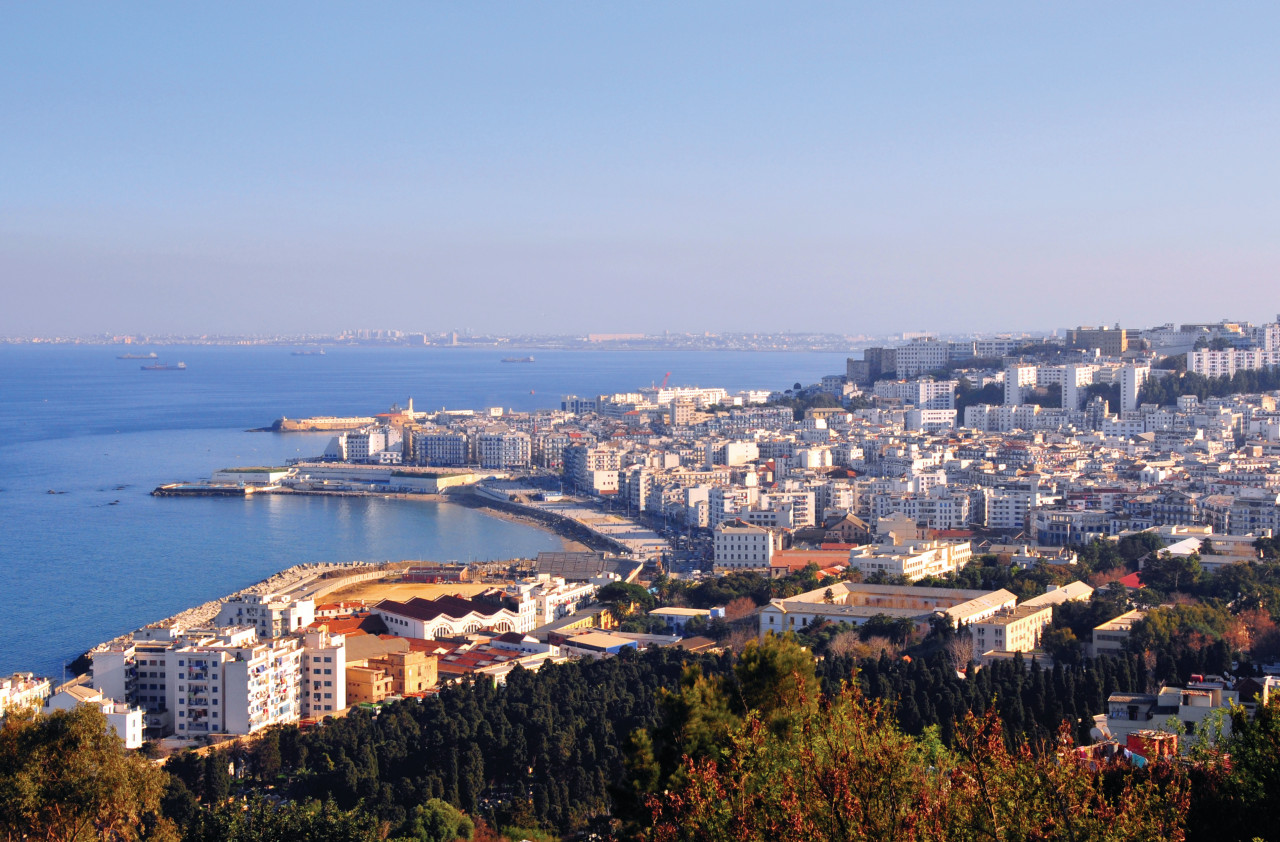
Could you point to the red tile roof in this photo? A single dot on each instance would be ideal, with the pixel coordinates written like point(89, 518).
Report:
point(428, 609)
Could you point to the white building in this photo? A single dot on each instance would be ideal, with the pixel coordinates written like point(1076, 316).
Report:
point(324, 673)
point(124, 721)
point(440, 448)
point(849, 602)
point(226, 682)
point(1017, 378)
point(740, 546)
point(1131, 379)
point(922, 355)
point(925, 393)
point(444, 617)
point(271, 615)
point(1010, 509)
point(504, 450)
point(678, 618)
point(22, 691)
point(1227, 363)
point(913, 560)
point(1016, 629)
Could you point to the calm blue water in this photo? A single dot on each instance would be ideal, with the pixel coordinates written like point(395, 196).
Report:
point(79, 567)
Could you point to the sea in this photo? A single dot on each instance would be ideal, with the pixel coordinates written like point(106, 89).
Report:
point(86, 553)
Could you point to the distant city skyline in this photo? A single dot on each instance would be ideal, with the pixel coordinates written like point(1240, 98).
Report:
point(565, 169)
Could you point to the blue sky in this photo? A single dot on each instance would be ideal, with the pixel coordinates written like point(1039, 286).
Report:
point(562, 167)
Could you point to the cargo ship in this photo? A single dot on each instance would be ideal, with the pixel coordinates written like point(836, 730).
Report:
point(312, 352)
point(517, 359)
point(165, 367)
point(150, 356)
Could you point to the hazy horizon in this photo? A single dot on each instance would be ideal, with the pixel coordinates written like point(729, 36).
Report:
point(565, 169)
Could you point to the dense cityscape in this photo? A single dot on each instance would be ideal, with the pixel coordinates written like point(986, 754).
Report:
point(639, 422)
point(1093, 510)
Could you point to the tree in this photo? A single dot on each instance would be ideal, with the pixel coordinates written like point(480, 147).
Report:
point(1169, 573)
point(845, 773)
point(436, 821)
point(259, 820)
point(1044, 790)
point(625, 597)
point(66, 776)
point(848, 772)
point(1062, 645)
point(776, 678)
point(739, 608)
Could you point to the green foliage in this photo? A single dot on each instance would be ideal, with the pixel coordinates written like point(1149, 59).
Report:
point(1168, 574)
point(1244, 804)
point(776, 678)
point(967, 395)
point(625, 597)
point(436, 821)
point(1184, 640)
point(1167, 390)
point(759, 589)
point(545, 749)
point(64, 776)
point(799, 403)
point(260, 820)
point(1062, 646)
point(847, 772)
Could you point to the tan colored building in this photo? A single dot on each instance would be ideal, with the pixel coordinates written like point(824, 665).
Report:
point(1012, 630)
point(1109, 341)
point(367, 684)
point(1110, 637)
point(856, 603)
point(410, 672)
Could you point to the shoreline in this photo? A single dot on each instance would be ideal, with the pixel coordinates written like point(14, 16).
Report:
point(575, 539)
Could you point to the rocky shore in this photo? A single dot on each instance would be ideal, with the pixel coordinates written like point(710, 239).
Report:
point(291, 579)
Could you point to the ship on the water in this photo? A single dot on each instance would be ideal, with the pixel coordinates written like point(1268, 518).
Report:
point(165, 367)
point(309, 352)
point(150, 356)
point(517, 359)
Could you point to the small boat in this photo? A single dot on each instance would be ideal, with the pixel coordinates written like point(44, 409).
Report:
point(517, 359)
point(150, 356)
point(165, 367)
point(310, 352)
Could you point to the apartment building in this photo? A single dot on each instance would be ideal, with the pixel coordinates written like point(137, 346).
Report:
point(1016, 629)
point(22, 691)
point(1226, 363)
point(226, 682)
point(924, 393)
point(324, 673)
point(271, 615)
point(911, 559)
point(124, 721)
point(440, 448)
point(738, 545)
point(504, 450)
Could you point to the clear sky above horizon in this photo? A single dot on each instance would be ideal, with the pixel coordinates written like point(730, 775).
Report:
point(574, 167)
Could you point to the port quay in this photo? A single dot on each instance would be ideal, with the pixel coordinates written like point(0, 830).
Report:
point(574, 518)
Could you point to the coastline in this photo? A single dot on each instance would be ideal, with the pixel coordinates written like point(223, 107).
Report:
point(576, 539)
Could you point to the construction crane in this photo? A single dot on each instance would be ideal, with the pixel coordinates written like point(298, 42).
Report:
point(665, 378)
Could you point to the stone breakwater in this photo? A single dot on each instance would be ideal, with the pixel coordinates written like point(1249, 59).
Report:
point(290, 580)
